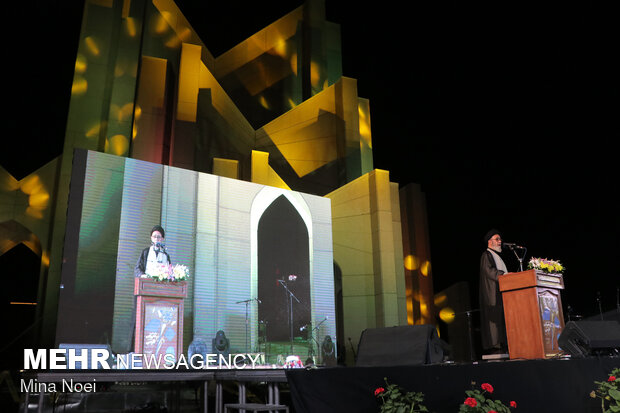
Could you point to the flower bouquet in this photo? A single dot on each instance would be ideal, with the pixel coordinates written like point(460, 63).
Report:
point(546, 265)
point(480, 401)
point(169, 273)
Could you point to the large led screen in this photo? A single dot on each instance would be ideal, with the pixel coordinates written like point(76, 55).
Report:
point(260, 258)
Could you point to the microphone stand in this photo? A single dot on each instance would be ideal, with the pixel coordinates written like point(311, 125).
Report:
point(315, 339)
point(600, 307)
point(247, 303)
point(513, 249)
point(470, 331)
point(290, 309)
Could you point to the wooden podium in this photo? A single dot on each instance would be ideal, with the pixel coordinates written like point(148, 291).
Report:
point(533, 313)
point(159, 317)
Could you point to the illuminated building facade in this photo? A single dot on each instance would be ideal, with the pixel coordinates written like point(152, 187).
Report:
point(274, 110)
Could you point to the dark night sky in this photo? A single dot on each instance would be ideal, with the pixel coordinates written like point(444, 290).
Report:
point(506, 115)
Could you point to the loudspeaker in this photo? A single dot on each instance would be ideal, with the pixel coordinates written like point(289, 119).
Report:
point(399, 346)
point(584, 338)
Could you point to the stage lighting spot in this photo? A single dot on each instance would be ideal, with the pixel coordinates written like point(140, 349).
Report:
point(440, 299)
point(45, 259)
point(424, 309)
point(131, 27)
point(31, 184)
point(117, 145)
point(93, 133)
point(185, 34)
point(263, 102)
point(92, 46)
point(411, 262)
point(79, 86)
point(446, 315)
point(280, 47)
point(315, 74)
point(425, 269)
point(293, 63)
point(161, 24)
point(39, 199)
point(34, 212)
point(80, 64)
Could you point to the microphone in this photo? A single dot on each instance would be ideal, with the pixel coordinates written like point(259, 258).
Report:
point(512, 245)
point(303, 328)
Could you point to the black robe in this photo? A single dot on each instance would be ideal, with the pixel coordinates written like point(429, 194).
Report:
point(492, 325)
point(138, 270)
point(140, 267)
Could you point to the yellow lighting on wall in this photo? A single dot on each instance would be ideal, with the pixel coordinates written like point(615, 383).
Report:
point(39, 199)
point(131, 26)
point(45, 258)
point(423, 309)
point(93, 132)
point(160, 25)
point(315, 73)
point(425, 269)
point(173, 43)
point(293, 63)
point(38, 196)
point(446, 315)
point(31, 184)
point(79, 86)
point(34, 212)
point(411, 262)
point(185, 34)
point(122, 113)
point(137, 112)
point(280, 47)
point(440, 299)
point(117, 145)
point(81, 64)
point(364, 125)
point(92, 46)
point(263, 102)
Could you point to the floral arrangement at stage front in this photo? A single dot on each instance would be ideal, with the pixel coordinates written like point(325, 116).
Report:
point(169, 273)
point(395, 400)
point(609, 392)
point(478, 401)
point(546, 265)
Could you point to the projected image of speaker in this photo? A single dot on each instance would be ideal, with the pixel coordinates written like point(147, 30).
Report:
point(401, 345)
point(586, 338)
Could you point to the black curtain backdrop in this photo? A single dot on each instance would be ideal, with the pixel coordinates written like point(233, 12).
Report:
point(547, 386)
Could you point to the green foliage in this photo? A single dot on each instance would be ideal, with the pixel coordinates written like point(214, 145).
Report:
point(395, 400)
point(609, 392)
point(479, 401)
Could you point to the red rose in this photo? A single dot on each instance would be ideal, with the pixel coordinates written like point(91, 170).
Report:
point(487, 387)
point(471, 402)
point(492, 411)
point(379, 390)
point(513, 404)
point(611, 378)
